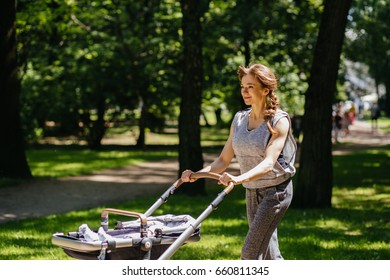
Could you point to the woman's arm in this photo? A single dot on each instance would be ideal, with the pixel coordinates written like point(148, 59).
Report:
point(219, 164)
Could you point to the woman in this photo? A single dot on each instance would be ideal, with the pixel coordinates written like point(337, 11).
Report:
point(261, 140)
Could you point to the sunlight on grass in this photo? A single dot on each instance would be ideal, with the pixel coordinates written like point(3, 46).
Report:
point(71, 162)
point(45, 169)
point(211, 248)
point(221, 223)
point(371, 164)
point(355, 232)
point(384, 124)
point(335, 224)
point(329, 245)
point(338, 233)
point(162, 139)
point(362, 198)
point(356, 227)
point(210, 136)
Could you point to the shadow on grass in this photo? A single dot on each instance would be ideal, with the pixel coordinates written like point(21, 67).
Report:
point(357, 227)
point(363, 168)
point(336, 234)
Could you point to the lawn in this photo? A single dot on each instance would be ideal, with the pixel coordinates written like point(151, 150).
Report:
point(356, 227)
point(63, 161)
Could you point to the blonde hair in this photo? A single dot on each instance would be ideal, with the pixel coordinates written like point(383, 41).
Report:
point(268, 80)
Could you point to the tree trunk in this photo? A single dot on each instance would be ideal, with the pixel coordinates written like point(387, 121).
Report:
point(98, 127)
point(13, 163)
point(387, 97)
point(315, 175)
point(190, 150)
point(247, 48)
point(142, 126)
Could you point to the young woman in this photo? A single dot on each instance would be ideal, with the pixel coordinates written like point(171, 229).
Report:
point(261, 140)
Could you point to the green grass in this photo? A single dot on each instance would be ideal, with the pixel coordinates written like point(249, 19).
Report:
point(53, 161)
point(210, 136)
point(356, 227)
point(384, 124)
point(57, 162)
point(63, 161)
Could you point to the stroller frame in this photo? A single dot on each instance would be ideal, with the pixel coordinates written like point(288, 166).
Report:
point(164, 243)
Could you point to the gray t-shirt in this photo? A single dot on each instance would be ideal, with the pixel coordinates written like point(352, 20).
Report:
point(249, 148)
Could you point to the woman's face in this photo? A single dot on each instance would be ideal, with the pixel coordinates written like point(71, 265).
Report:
point(252, 91)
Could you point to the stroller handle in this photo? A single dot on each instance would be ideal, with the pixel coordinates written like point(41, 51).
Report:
point(205, 175)
point(198, 175)
point(209, 175)
point(212, 175)
point(179, 182)
point(142, 217)
point(213, 206)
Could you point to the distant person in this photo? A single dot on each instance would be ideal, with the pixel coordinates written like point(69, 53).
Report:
point(352, 113)
point(345, 123)
point(361, 108)
point(337, 125)
point(261, 140)
point(375, 114)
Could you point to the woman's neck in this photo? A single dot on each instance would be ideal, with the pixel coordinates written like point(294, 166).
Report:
point(257, 113)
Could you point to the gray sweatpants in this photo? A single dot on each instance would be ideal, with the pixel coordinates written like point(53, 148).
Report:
point(265, 209)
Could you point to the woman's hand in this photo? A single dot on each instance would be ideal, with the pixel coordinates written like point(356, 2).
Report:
point(186, 176)
point(226, 178)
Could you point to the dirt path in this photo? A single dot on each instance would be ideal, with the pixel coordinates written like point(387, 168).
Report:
point(45, 197)
point(361, 136)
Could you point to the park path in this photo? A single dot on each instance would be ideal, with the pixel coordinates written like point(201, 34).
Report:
point(361, 136)
point(107, 187)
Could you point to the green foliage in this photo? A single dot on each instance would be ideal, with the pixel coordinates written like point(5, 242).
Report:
point(280, 34)
point(84, 63)
point(367, 44)
point(366, 40)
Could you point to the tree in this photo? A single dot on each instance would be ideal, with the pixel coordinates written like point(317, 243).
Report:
point(190, 150)
point(315, 176)
point(367, 42)
point(280, 34)
point(87, 63)
point(13, 163)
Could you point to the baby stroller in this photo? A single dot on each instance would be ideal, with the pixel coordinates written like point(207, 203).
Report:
point(148, 237)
